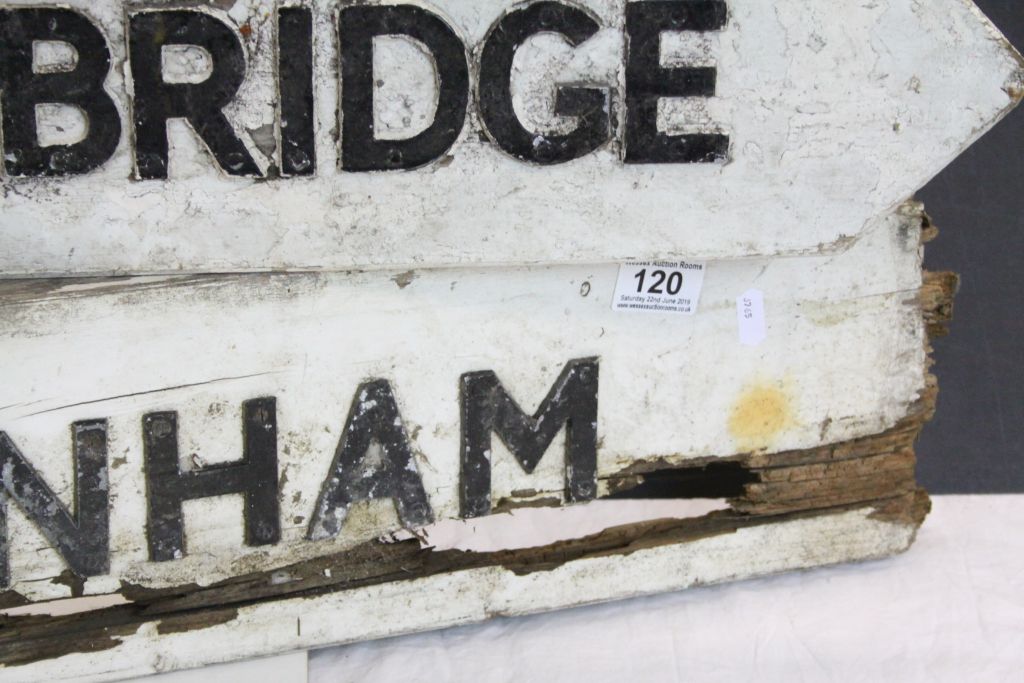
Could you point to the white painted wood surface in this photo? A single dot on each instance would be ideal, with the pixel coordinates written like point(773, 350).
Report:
point(834, 117)
point(843, 358)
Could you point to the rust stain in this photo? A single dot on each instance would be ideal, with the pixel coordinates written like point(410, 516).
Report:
point(760, 415)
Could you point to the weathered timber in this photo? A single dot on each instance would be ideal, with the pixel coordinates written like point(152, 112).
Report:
point(874, 472)
point(937, 292)
point(26, 639)
point(844, 359)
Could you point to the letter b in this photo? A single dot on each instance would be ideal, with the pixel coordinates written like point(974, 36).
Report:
point(80, 86)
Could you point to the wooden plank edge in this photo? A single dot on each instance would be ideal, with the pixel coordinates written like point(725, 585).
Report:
point(175, 641)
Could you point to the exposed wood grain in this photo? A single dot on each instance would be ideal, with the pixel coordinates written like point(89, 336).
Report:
point(937, 293)
point(28, 639)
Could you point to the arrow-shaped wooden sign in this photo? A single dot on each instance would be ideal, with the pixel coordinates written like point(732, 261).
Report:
point(589, 301)
point(327, 136)
point(221, 450)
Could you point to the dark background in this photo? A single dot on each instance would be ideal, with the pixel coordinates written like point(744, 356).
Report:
point(976, 442)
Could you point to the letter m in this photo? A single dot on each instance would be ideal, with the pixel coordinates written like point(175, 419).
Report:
point(487, 407)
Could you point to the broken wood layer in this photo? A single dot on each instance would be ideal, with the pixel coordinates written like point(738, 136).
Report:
point(937, 293)
point(27, 639)
point(873, 472)
point(474, 595)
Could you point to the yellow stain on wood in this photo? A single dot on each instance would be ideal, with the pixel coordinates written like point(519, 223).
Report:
point(760, 415)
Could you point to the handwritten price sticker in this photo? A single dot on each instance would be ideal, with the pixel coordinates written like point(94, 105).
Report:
point(750, 315)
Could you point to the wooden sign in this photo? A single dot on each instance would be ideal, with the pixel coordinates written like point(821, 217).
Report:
point(550, 261)
point(214, 137)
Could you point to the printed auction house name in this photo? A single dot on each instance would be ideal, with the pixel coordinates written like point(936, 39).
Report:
point(154, 98)
point(82, 534)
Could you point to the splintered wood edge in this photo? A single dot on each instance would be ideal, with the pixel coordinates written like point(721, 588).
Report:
point(873, 472)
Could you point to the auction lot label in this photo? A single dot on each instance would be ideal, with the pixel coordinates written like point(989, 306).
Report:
point(659, 286)
point(168, 137)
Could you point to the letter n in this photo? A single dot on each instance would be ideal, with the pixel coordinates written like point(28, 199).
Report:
point(82, 537)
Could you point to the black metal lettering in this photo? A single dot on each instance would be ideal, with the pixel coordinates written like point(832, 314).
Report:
point(254, 476)
point(358, 25)
point(590, 106)
point(201, 104)
point(81, 86)
point(487, 407)
point(360, 472)
point(81, 538)
point(647, 81)
point(295, 85)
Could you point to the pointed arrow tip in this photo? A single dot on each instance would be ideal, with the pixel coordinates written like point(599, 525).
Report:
point(1014, 85)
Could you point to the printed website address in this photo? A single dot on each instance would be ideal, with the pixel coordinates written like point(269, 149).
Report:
point(655, 307)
